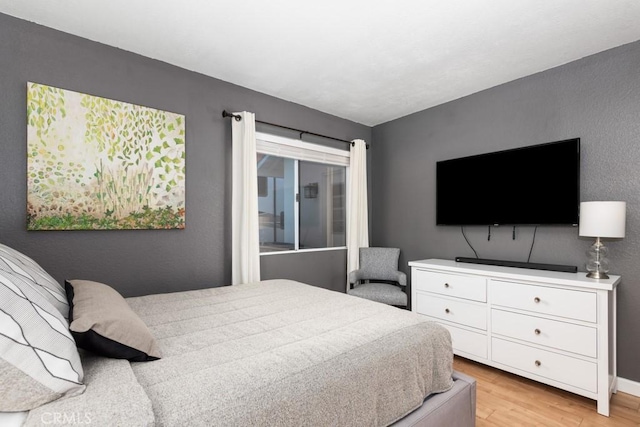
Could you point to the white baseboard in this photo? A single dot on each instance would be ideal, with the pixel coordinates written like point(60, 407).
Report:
point(628, 386)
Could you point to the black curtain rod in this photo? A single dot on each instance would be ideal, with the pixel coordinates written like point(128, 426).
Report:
point(237, 117)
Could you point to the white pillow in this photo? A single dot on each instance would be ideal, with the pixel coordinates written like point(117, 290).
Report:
point(15, 262)
point(39, 361)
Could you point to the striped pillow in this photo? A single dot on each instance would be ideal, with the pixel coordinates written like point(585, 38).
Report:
point(39, 361)
point(15, 262)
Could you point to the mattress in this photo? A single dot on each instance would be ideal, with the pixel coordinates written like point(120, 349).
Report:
point(276, 352)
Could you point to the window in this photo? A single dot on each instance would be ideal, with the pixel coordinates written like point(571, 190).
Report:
point(276, 203)
point(301, 195)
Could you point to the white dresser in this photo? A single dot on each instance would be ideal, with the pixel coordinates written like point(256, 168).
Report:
point(556, 328)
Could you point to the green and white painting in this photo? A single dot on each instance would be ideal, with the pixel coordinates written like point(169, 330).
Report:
point(98, 164)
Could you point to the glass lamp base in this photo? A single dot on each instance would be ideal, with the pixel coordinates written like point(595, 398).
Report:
point(597, 275)
point(597, 261)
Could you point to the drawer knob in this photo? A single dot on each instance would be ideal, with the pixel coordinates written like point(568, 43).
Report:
point(537, 331)
point(536, 300)
point(446, 310)
point(446, 285)
point(538, 363)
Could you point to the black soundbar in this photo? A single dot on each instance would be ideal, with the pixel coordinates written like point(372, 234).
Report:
point(530, 265)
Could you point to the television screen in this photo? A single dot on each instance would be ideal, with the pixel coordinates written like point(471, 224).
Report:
point(534, 185)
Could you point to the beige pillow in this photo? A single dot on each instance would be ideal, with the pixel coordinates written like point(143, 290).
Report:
point(102, 322)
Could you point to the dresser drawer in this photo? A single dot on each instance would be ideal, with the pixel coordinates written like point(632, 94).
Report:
point(557, 367)
point(467, 287)
point(474, 343)
point(563, 336)
point(456, 311)
point(566, 303)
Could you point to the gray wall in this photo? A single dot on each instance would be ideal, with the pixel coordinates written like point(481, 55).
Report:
point(596, 98)
point(142, 262)
point(326, 269)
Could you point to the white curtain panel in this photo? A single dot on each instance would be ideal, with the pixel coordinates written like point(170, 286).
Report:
point(357, 210)
point(245, 238)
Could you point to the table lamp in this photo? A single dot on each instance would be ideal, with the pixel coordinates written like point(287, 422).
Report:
point(601, 220)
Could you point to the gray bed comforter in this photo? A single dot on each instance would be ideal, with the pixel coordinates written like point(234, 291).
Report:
point(276, 352)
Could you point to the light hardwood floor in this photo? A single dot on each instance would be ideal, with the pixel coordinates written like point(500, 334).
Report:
point(504, 399)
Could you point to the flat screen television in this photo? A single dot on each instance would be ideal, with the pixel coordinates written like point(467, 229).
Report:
point(535, 185)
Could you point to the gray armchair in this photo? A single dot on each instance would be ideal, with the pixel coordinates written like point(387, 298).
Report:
point(378, 278)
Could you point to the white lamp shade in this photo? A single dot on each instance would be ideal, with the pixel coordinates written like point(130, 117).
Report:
point(603, 219)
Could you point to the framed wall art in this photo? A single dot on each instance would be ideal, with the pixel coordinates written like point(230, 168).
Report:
point(98, 164)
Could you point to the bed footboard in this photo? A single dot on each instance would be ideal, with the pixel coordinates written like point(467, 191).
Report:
point(454, 408)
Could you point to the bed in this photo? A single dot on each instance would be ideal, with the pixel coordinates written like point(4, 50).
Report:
point(276, 352)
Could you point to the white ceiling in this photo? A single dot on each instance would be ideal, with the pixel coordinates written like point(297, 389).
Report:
point(369, 61)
